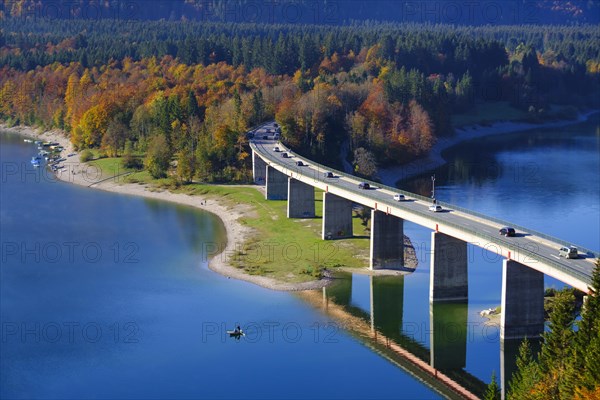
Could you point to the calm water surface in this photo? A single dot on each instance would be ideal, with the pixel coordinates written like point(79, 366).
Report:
point(166, 305)
point(133, 311)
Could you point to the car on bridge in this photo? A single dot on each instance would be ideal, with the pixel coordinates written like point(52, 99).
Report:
point(301, 164)
point(399, 197)
point(276, 149)
point(435, 208)
point(285, 155)
point(364, 186)
point(507, 231)
point(328, 174)
point(568, 252)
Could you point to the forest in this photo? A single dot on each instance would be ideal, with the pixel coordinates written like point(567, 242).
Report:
point(386, 91)
point(331, 12)
point(567, 366)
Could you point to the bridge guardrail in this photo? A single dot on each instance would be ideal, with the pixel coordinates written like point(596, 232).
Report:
point(497, 240)
point(589, 252)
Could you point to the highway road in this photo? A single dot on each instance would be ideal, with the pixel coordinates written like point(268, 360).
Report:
point(527, 247)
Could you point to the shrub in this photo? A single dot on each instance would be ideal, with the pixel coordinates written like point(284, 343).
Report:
point(131, 162)
point(86, 156)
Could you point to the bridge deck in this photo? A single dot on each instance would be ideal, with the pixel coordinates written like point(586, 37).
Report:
point(534, 249)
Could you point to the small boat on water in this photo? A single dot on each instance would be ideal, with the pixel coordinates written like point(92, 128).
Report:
point(236, 333)
point(28, 140)
point(35, 161)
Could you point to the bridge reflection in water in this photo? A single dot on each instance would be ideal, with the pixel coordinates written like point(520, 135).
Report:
point(380, 326)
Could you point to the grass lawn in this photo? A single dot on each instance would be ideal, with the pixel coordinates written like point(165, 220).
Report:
point(290, 250)
point(109, 166)
point(487, 113)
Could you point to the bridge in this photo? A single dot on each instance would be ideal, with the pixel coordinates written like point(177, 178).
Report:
point(527, 257)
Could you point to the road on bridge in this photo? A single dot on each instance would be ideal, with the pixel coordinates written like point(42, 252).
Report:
point(542, 249)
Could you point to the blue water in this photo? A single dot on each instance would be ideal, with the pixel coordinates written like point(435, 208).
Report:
point(163, 313)
point(109, 296)
point(547, 180)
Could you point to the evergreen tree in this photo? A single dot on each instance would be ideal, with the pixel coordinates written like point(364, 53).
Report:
point(557, 350)
point(493, 391)
point(258, 107)
point(192, 109)
point(526, 376)
point(587, 344)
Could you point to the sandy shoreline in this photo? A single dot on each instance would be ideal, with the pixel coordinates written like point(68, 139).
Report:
point(81, 174)
point(389, 176)
point(237, 234)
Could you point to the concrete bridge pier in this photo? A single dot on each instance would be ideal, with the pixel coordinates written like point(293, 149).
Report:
point(277, 185)
point(522, 301)
point(301, 199)
point(449, 272)
point(387, 241)
point(259, 169)
point(337, 217)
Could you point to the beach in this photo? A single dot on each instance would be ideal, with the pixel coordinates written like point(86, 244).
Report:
point(390, 176)
point(82, 174)
point(237, 234)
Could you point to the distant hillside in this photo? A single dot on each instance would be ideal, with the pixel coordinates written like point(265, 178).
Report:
point(333, 12)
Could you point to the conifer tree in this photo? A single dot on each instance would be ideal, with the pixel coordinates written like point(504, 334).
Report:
point(587, 344)
point(526, 376)
point(493, 391)
point(557, 347)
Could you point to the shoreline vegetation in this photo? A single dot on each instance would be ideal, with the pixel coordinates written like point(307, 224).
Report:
point(227, 259)
point(435, 159)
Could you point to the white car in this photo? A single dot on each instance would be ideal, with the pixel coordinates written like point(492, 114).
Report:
point(435, 208)
point(399, 197)
point(568, 252)
point(276, 149)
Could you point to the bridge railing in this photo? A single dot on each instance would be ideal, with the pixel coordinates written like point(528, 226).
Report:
point(580, 275)
point(522, 251)
point(500, 222)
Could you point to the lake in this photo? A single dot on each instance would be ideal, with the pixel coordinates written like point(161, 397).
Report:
point(105, 295)
point(109, 296)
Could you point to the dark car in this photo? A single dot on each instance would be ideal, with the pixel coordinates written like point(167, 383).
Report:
point(507, 231)
point(285, 155)
point(300, 164)
point(364, 186)
point(329, 175)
